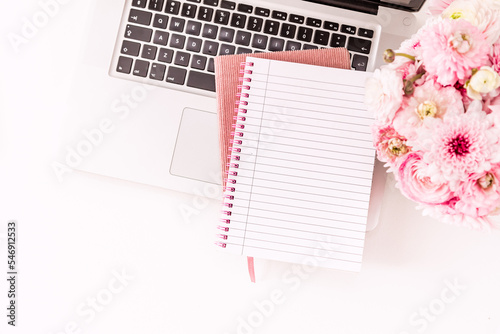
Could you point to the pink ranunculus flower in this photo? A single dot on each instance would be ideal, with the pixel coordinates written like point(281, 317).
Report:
point(429, 101)
point(416, 184)
point(451, 49)
point(456, 147)
point(449, 214)
point(384, 94)
point(480, 194)
point(390, 145)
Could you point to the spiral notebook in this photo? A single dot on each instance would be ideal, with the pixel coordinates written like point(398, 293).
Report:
point(300, 172)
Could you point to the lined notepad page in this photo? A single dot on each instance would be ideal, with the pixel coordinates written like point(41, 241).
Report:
point(299, 189)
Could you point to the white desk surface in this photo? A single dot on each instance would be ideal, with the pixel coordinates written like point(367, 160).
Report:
point(76, 237)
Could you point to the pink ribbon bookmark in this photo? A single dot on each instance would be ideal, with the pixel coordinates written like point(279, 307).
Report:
point(251, 268)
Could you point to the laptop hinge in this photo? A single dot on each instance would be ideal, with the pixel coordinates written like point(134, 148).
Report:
point(365, 7)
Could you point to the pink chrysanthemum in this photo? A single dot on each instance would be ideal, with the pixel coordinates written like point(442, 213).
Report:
point(451, 49)
point(459, 146)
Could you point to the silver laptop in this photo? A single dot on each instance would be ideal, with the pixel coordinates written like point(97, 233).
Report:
point(144, 84)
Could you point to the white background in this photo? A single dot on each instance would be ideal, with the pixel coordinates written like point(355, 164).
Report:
point(78, 235)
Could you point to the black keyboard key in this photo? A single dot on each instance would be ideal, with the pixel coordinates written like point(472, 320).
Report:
point(201, 80)
point(245, 8)
point(165, 55)
point(262, 11)
point(182, 58)
point(161, 37)
point(160, 21)
point(259, 42)
point(193, 28)
point(199, 62)
point(243, 38)
point(222, 17)
point(210, 48)
point(210, 31)
point(367, 33)
point(173, 7)
point(271, 27)
point(279, 15)
point(293, 46)
point(359, 45)
point(176, 75)
point(276, 44)
point(331, 26)
point(141, 68)
point(205, 14)
point(255, 23)
point(139, 17)
point(139, 3)
point(313, 22)
point(188, 10)
point(124, 65)
point(138, 33)
point(288, 30)
point(226, 49)
point(149, 52)
point(348, 29)
point(296, 18)
point(226, 35)
point(130, 48)
point(197, 1)
point(158, 72)
point(241, 50)
point(305, 34)
point(338, 41)
point(211, 65)
point(156, 5)
point(238, 20)
point(228, 4)
point(359, 62)
point(321, 37)
point(194, 44)
point(309, 47)
point(177, 41)
point(214, 3)
point(177, 24)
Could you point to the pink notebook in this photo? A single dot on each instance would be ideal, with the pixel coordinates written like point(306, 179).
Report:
point(227, 80)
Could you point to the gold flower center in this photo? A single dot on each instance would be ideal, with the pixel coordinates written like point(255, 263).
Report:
point(427, 109)
point(397, 147)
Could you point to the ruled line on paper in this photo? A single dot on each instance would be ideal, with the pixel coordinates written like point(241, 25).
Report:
point(302, 231)
point(314, 81)
point(312, 156)
point(315, 225)
point(309, 201)
point(361, 95)
point(323, 112)
point(331, 151)
point(314, 141)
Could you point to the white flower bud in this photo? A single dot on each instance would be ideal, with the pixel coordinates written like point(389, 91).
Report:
point(483, 81)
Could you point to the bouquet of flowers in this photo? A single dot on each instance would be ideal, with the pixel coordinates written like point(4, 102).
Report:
point(437, 110)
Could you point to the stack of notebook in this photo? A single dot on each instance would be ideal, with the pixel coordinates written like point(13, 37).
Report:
point(297, 155)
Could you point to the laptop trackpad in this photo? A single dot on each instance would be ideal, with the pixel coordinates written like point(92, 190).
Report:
point(196, 153)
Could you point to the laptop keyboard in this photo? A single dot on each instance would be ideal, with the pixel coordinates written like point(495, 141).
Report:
point(176, 41)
